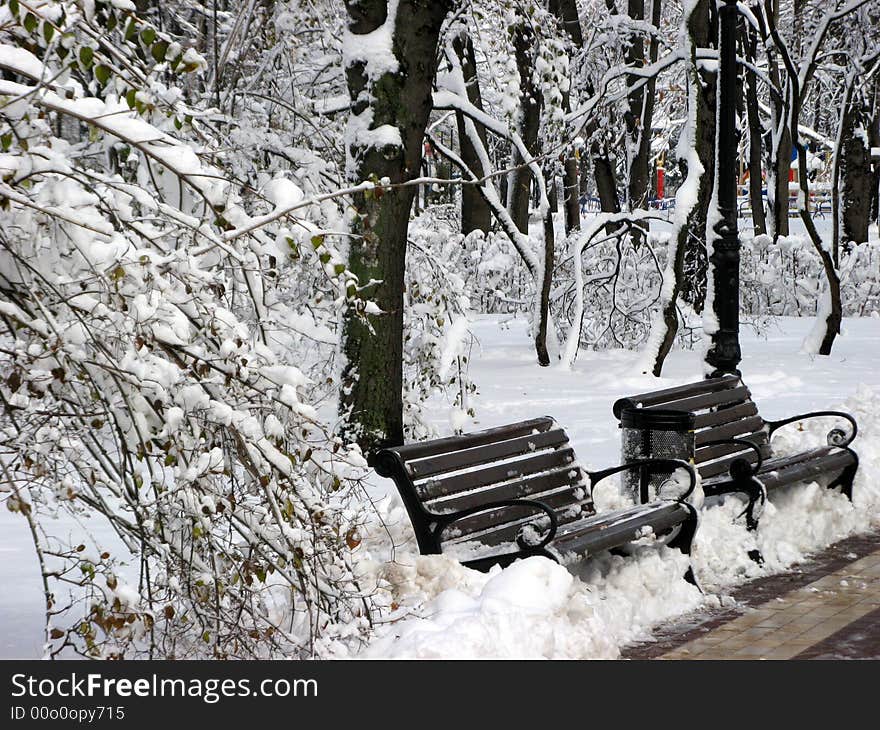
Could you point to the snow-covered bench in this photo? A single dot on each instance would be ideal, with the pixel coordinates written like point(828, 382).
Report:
point(732, 449)
point(513, 491)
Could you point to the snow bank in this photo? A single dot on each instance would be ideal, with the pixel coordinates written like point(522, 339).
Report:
point(534, 608)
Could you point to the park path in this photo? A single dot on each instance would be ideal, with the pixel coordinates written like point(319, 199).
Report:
point(826, 609)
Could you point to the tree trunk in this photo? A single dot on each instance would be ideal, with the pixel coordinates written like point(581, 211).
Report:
point(756, 134)
point(546, 283)
point(856, 173)
point(386, 129)
point(566, 11)
point(687, 268)
point(703, 33)
point(874, 140)
point(475, 213)
point(606, 184)
point(780, 142)
point(640, 114)
point(519, 192)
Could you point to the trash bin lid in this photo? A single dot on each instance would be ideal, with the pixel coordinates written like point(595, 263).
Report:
point(658, 419)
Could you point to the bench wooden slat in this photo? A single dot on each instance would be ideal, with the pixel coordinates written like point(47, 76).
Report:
point(709, 453)
point(501, 525)
point(725, 415)
point(722, 466)
point(529, 488)
point(421, 449)
point(827, 462)
point(477, 455)
point(434, 487)
point(619, 529)
point(669, 395)
point(729, 430)
point(724, 397)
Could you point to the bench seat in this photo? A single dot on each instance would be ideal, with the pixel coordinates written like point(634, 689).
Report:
point(732, 442)
point(493, 496)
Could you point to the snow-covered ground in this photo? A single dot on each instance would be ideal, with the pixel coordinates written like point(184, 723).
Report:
point(536, 608)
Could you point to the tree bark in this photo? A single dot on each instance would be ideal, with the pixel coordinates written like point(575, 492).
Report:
point(520, 186)
point(856, 173)
point(874, 138)
point(546, 284)
point(606, 183)
point(640, 114)
point(780, 143)
point(566, 11)
point(371, 400)
point(475, 213)
point(703, 32)
point(756, 133)
point(688, 265)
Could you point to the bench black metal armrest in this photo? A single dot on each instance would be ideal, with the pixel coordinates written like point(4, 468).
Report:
point(741, 467)
point(598, 476)
point(836, 436)
point(443, 521)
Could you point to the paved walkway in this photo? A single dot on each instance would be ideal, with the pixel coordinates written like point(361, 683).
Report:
point(827, 609)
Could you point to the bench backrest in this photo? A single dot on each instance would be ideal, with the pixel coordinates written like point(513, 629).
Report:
point(724, 410)
point(527, 460)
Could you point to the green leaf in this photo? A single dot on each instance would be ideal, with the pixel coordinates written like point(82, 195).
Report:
point(158, 51)
point(148, 35)
point(30, 22)
point(6, 141)
point(86, 56)
point(130, 30)
point(13, 8)
point(48, 31)
point(131, 97)
point(102, 73)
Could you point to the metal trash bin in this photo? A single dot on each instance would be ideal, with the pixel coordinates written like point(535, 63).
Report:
point(654, 433)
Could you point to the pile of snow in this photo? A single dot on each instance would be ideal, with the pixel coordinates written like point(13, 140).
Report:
point(534, 608)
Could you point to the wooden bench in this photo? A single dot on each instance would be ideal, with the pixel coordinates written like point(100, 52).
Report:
point(493, 496)
point(732, 449)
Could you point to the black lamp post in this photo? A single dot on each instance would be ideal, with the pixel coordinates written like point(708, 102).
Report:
point(724, 353)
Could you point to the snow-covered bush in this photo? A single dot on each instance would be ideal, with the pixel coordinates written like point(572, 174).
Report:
point(437, 341)
point(166, 339)
point(787, 278)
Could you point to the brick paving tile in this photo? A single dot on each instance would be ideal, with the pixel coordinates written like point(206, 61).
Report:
point(834, 598)
point(859, 639)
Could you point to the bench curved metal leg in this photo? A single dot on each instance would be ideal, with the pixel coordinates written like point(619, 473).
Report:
point(684, 540)
point(757, 496)
point(847, 476)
